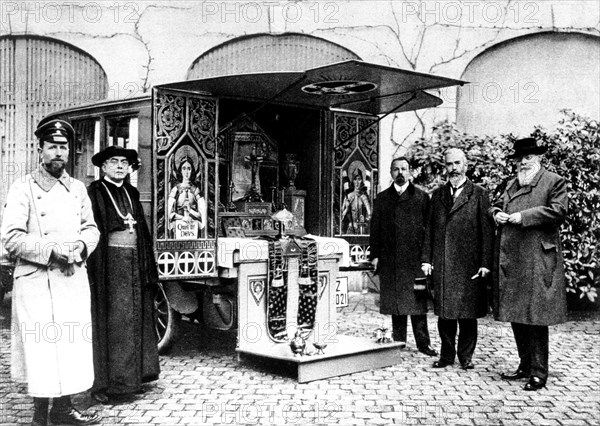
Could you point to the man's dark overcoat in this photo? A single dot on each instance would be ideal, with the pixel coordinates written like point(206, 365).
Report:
point(458, 241)
point(529, 273)
point(145, 339)
point(397, 229)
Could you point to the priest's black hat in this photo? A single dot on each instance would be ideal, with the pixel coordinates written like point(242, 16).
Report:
point(116, 151)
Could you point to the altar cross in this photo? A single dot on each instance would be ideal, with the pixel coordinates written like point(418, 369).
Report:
point(255, 161)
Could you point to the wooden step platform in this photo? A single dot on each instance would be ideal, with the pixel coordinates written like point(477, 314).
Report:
point(346, 355)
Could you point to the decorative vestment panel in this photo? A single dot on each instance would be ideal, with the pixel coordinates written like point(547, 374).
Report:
point(280, 279)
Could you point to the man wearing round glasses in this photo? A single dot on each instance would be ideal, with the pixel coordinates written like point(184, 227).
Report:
point(125, 347)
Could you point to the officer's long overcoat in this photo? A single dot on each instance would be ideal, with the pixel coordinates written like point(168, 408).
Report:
point(51, 319)
point(458, 241)
point(529, 272)
point(397, 228)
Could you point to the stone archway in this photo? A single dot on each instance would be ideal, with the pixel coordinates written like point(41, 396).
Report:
point(268, 52)
point(526, 81)
point(39, 75)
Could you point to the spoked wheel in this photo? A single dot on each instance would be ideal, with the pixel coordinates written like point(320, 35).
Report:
point(166, 321)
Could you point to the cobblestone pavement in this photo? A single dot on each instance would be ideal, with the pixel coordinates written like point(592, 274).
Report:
point(202, 383)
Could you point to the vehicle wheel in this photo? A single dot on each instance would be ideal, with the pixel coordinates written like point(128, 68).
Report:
point(166, 321)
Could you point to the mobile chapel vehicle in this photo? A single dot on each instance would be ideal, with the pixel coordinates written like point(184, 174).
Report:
point(223, 253)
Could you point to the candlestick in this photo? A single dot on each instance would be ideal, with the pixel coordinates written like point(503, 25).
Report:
point(231, 206)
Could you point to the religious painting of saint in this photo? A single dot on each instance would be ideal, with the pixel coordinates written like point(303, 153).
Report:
point(356, 199)
point(186, 205)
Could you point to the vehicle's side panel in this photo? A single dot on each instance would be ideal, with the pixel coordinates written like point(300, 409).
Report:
point(185, 158)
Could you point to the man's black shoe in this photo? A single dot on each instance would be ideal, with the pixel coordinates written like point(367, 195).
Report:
point(100, 396)
point(519, 374)
point(428, 350)
point(40, 412)
point(72, 416)
point(441, 364)
point(467, 365)
point(534, 383)
point(121, 398)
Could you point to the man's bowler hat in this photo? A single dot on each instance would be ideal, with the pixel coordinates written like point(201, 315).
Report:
point(116, 151)
point(527, 146)
point(56, 131)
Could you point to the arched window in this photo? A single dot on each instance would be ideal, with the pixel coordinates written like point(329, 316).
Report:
point(526, 81)
point(39, 75)
point(268, 52)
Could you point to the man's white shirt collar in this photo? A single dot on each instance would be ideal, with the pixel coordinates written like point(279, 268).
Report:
point(401, 189)
point(117, 184)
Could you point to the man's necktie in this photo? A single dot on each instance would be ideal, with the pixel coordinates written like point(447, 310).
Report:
point(454, 191)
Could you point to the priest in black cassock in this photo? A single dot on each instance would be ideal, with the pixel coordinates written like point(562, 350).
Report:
point(123, 278)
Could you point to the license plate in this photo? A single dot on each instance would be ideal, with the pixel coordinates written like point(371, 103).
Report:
point(341, 292)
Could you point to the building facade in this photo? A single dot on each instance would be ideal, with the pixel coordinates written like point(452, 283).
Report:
point(525, 59)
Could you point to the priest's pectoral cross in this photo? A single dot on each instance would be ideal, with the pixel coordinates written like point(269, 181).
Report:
point(130, 221)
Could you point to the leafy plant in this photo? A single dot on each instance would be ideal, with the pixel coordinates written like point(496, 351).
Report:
point(573, 152)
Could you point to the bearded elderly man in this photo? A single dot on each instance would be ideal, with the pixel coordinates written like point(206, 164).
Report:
point(529, 271)
point(457, 252)
point(49, 228)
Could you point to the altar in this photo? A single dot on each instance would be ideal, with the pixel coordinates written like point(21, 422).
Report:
point(309, 341)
